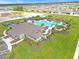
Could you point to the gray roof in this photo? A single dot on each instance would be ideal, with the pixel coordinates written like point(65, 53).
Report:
point(28, 29)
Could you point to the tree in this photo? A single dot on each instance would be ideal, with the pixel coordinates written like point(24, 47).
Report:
point(36, 18)
point(49, 17)
point(18, 8)
point(42, 24)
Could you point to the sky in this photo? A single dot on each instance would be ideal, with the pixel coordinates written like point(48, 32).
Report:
point(33, 1)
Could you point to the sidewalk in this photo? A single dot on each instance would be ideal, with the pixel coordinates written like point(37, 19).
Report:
point(76, 55)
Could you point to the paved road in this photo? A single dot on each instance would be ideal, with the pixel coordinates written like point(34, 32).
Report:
point(3, 19)
point(25, 15)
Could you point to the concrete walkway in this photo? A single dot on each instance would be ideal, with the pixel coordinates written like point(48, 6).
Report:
point(76, 55)
point(8, 42)
point(17, 42)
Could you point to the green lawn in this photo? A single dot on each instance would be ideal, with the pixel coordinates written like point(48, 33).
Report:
point(2, 28)
point(61, 46)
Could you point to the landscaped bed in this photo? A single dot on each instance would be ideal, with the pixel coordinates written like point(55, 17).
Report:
point(58, 46)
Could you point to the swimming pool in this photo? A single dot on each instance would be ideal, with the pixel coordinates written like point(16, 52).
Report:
point(47, 23)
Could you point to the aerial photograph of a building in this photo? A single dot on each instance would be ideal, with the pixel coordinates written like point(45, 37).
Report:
point(39, 29)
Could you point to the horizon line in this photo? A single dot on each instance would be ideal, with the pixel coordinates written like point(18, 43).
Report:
point(40, 3)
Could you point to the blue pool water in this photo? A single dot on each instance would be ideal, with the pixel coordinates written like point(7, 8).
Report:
point(47, 23)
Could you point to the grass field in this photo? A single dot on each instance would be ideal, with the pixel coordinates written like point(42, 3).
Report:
point(60, 45)
point(2, 28)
